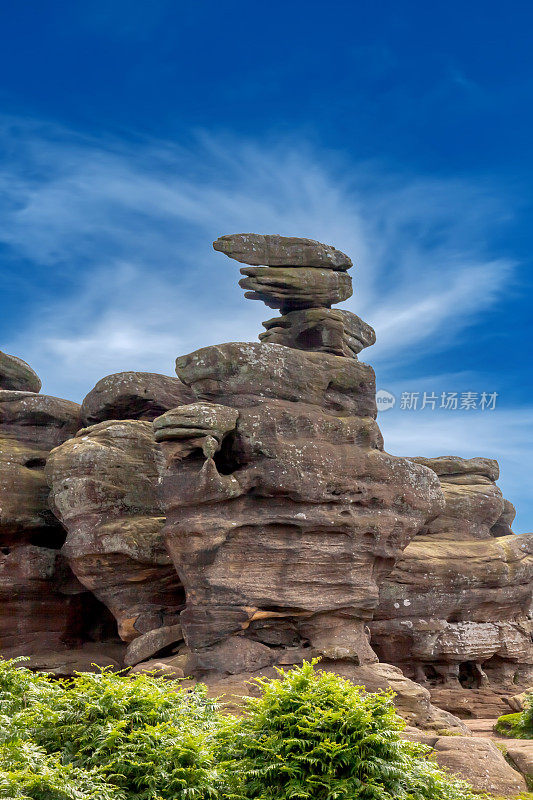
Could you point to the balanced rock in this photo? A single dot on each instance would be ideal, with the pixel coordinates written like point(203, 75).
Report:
point(281, 251)
point(289, 288)
point(17, 375)
point(323, 330)
point(133, 395)
point(104, 490)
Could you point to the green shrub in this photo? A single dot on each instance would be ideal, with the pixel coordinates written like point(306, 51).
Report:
point(148, 739)
point(315, 736)
point(28, 773)
point(107, 736)
point(519, 725)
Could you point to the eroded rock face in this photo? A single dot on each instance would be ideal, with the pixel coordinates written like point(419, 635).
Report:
point(325, 330)
point(133, 395)
point(44, 607)
point(456, 605)
point(103, 488)
point(282, 509)
point(30, 426)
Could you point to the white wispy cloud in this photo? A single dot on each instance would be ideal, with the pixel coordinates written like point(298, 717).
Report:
point(126, 228)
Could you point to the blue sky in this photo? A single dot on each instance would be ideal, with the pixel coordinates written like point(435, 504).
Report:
point(134, 133)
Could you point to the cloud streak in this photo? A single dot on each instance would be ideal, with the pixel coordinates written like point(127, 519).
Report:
point(122, 234)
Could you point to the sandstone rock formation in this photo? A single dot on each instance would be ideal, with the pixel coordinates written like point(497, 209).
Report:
point(477, 760)
point(133, 395)
point(44, 607)
point(283, 511)
point(455, 610)
point(324, 330)
point(104, 484)
point(104, 489)
point(245, 515)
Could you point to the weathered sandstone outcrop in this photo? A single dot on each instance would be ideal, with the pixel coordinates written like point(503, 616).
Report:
point(133, 395)
point(16, 375)
point(283, 511)
point(104, 483)
point(477, 760)
point(455, 608)
point(104, 489)
point(245, 515)
point(326, 330)
point(44, 607)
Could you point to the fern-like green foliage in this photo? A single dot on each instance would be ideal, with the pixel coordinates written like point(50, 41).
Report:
point(315, 736)
point(105, 735)
point(109, 736)
point(519, 725)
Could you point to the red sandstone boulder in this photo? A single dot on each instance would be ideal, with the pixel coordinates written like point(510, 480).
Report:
point(103, 488)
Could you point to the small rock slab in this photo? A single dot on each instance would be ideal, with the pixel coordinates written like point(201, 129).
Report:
point(518, 701)
point(272, 250)
point(520, 752)
point(67, 662)
point(195, 421)
point(15, 374)
point(289, 288)
point(152, 642)
point(455, 465)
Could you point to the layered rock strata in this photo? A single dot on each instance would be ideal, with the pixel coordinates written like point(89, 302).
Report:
point(104, 490)
point(283, 511)
point(44, 607)
point(455, 608)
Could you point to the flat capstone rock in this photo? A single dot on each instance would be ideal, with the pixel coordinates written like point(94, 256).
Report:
point(272, 250)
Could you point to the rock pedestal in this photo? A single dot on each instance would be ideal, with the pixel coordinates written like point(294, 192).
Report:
point(283, 511)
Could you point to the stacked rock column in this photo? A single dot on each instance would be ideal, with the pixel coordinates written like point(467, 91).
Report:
point(283, 511)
